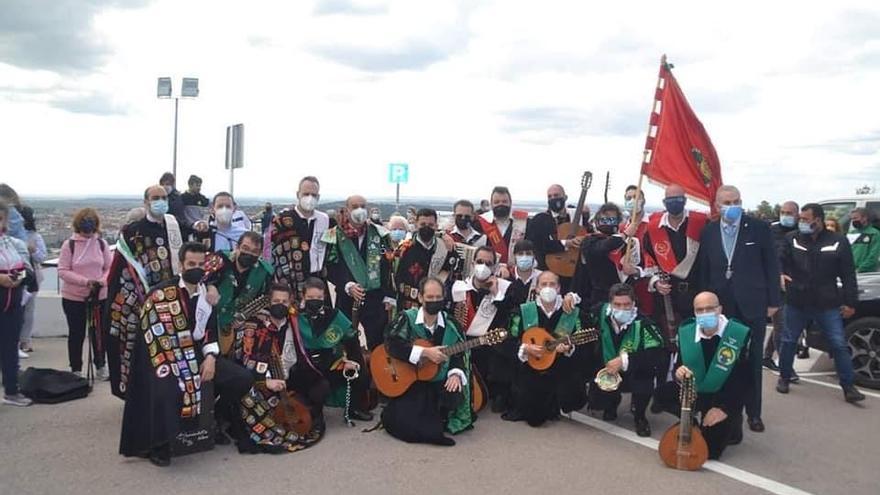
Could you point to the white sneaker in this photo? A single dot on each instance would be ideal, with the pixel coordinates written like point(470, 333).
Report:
point(23, 355)
point(101, 374)
point(77, 373)
point(17, 400)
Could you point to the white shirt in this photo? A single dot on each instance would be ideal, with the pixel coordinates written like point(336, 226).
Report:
point(416, 354)
point(664, 221)
point(473, 234)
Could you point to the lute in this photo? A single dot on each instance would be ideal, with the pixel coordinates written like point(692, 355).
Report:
point(683, 446)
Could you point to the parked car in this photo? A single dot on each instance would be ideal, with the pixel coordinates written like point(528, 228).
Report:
point(839, 208)
point(862, 332)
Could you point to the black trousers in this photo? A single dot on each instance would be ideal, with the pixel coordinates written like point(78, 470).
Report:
point(10, 328)
point(231, 382)
point(315, 388)
point(641, 388)
point(76, 313)
point(540, 395)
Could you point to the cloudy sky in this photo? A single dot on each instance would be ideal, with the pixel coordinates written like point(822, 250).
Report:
point(470, 94)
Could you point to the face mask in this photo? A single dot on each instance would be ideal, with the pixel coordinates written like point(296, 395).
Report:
point(193, 275)
point(223, 215)
point(246, 260)
point(463, 223)
point(731, 213)
point(707, 320)
point(607, 229)
point(375, 217)
point(858, 224)
point(398, 235)
point(556, 204)
point(359, 215)
point(158, 207)
point(314, 306)
point(168, 189)
point(525, 262)
point(433, 307)
point(88, 226)
point(278, 311)
point(308, 202)
point(548, 294)
point(628, 204)
point(501, 211)
point(426, 234)
point(675, 205)
point(482, 272)
point(623, 315)
point(805, 227)
point(787, 221)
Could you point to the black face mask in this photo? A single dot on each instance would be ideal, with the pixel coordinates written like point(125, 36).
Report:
point(426, 234)
point(433, 307)
point(247, 260)
point(501, 211)
point(463, 223)
point(278, 311)
point(556, 204)
point(193, 275)
point(314, 307)
point(607, 229)
point(858, 224)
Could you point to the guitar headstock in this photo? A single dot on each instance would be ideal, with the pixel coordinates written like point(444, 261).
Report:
point(495, 336)
point(587, 180)
point(584, 336)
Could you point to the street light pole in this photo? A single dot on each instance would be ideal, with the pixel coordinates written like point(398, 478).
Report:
point(174, 162)
point(189, 88)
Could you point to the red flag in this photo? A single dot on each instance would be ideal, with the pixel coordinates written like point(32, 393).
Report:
point(678, 149)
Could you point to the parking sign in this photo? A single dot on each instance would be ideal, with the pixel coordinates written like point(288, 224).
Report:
point(398, 173)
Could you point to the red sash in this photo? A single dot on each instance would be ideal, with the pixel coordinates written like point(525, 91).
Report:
point(496, 240)
point(663, 252)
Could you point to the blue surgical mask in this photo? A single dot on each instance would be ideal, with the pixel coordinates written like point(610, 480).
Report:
point(707, 320)
point(787, 221)
point(398, 235)
point(731, 213)
point(158, 207)
point(805, 228)
point(525, 262)
point(624, 316)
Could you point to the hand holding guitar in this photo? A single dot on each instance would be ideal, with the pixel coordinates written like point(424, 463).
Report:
point(434, 354)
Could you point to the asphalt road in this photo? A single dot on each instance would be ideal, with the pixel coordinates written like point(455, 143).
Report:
point(814, 443)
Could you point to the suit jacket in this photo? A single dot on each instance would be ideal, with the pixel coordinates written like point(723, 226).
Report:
point(754, 285)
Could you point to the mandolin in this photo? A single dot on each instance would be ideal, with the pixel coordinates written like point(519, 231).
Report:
point(683, 446)
point(393, 377)
point(539, 336)
point(565, 263)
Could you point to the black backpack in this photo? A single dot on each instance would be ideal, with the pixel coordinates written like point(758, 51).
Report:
point(48, 386)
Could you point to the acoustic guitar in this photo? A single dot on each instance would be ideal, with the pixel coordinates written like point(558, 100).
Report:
point(683, 446)
point(393, 377)
point(565, 263)
point(543, 338)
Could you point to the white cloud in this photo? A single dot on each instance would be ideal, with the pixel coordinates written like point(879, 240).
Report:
point(471, 94)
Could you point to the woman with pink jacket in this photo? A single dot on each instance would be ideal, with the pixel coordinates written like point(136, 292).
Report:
point(83, 265)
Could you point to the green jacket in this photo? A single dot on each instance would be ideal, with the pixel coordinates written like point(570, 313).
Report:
point(865, 248)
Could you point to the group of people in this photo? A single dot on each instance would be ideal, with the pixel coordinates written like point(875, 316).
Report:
point(197, 310)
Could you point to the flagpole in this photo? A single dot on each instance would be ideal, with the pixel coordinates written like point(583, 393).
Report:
point(629, 244)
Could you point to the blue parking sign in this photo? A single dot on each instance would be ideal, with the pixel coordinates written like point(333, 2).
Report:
point(398, 173)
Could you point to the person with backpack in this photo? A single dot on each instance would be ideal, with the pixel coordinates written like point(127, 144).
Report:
point(83, 266)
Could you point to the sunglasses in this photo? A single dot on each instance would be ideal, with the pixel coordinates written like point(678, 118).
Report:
point(607, 220)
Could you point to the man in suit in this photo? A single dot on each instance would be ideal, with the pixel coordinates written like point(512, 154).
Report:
point(738, 262)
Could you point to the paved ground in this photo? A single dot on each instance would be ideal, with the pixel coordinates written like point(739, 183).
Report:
point(814, 443)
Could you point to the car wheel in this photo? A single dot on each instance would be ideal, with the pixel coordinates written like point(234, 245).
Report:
point(863, 338)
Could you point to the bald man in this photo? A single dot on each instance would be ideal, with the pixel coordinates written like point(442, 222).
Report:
point(358, 267)
point(714, 352)
point(147, 256)
point(543, 226)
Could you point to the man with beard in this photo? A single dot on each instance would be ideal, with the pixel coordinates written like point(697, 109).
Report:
point(422, 256)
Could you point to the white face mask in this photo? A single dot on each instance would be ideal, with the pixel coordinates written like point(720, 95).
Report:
point(548, 294)
point(223, 215)
point(308, 202)
point(482, 272)
point(359, 215)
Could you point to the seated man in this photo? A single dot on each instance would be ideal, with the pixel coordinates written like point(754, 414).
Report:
point(630, 345)
point(331, 350)
point(714, 350)
point(428, 409)
point(174, 356)
point(539, 395)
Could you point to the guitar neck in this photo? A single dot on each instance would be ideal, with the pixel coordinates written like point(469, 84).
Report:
point(685, 420)
point(579, 212)
point(463, 346)
point(576, 339)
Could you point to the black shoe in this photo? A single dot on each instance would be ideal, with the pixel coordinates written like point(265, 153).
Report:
point(161, 456)
point(499, 404)
point(852, 395)
point(795, 378)
point(643, 428)
point(803, 352)
point(609, 415)
point(770, 364)
point(736, 438)
point(360, 415)
point(512, 415)
point(444, 441)
point(782, 386)
point(756, 425)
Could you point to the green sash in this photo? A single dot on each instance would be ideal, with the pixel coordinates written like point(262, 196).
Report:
point(366, 274)
point(338, 330)
point(632, 338)
point(461, 418)
point(729, 350)
point(564, 327)
point(257, 281)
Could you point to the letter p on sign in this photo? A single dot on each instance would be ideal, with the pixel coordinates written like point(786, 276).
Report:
point(398, 173)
